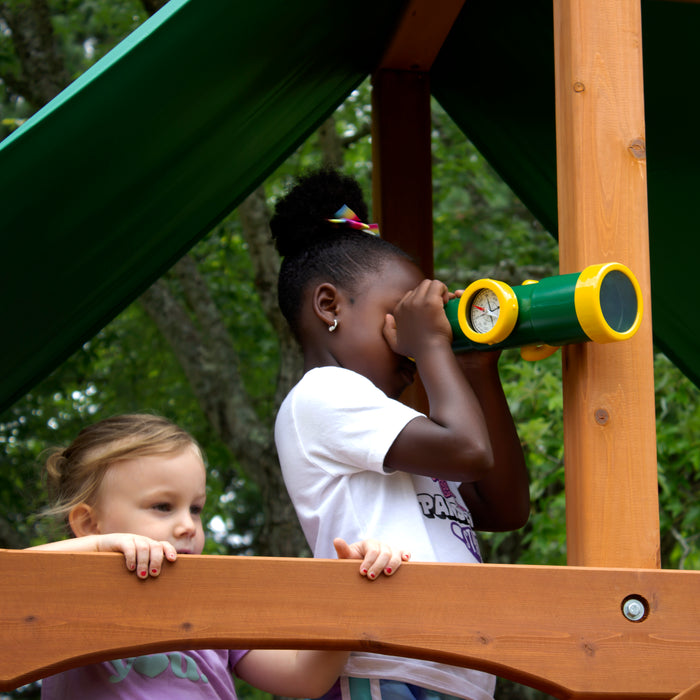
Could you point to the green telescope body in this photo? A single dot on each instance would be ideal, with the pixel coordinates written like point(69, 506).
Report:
point(602, 304)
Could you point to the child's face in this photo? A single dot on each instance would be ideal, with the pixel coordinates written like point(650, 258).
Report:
point(364, 347)
point(159, 496)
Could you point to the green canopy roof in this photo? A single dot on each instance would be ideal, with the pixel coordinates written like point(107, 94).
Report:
point(108, 185)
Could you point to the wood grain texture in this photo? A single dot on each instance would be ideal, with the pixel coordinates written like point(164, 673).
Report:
point(560, 629)
point(420, 35)
point(609, 422)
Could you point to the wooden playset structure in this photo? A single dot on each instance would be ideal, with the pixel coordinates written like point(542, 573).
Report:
point(611, 624)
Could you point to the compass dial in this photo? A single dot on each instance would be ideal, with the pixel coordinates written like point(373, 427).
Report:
point(484, 311)
point(487, 311)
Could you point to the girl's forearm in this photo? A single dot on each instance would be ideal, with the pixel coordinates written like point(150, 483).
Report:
point(501, 499)
point(294, 673)
point(88, 543)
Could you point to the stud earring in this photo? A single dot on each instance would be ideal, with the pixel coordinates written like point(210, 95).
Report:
point(334, 326)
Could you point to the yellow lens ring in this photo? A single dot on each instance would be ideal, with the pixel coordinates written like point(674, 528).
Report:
point(507, 317)
point(587, 302)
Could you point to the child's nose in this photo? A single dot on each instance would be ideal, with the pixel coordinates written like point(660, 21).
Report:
point(185, 524)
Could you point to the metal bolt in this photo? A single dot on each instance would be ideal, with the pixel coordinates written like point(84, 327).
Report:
point(634, 609)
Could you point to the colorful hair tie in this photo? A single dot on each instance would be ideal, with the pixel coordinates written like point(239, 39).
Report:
point(347, 217)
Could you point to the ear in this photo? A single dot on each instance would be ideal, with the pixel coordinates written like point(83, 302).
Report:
point(325, 302)
point(83, 520)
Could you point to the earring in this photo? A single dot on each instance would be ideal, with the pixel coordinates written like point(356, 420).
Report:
point(334, 326)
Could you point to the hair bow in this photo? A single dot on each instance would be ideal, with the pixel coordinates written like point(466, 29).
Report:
point(347, 216)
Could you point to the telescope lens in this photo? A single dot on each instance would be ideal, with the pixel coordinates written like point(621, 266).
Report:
point(618, 301)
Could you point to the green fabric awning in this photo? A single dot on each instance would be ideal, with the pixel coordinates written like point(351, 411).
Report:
point(107, 186)
point(115, 179)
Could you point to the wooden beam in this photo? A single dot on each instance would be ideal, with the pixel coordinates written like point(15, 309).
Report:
point(422, 31)
point(402, 175)
point(559, 629)
point(402, 165)
point(690, 694)
point(609, 424)
point(401, 128)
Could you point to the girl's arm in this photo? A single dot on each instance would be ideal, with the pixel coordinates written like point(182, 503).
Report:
point(453, 442)
point(141, 554)
point(501, 499)
point(292, 673)
point(469, 435)
point(306, 673)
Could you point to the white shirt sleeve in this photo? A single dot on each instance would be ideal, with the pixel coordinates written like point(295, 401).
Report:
point(344, 423)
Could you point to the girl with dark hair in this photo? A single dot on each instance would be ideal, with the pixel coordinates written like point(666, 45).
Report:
point(355, 460)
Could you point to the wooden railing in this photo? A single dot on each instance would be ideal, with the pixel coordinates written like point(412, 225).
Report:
point(560, 629)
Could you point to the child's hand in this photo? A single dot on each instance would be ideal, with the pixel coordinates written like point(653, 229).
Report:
point(141, 554)
point(376, 556)
point(419, 319)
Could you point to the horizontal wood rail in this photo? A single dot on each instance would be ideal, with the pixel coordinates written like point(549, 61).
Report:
point(559, 629)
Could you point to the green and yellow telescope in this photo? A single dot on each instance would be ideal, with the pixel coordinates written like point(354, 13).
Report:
point(601, 304)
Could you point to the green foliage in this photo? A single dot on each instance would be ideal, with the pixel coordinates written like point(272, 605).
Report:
point(478, 221)
point(678, 431)
point(102, 24)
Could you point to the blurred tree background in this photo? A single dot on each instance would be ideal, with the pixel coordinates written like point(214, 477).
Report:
point(206, 346)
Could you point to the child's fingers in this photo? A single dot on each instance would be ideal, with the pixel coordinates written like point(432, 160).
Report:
point(342, 549)
point(150, 555)
point(169, 551)
point(381, 558)
point(143, 557)
point(155, 561)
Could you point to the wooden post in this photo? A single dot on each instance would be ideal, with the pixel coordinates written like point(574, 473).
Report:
point(609, 424)
point(401, 149)
point(402, 175)
point(401, 154)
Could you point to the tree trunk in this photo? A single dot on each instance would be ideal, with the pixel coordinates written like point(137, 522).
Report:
point(204, 349)
point(42, 73)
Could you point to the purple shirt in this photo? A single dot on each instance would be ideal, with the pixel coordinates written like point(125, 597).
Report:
point(174, 675)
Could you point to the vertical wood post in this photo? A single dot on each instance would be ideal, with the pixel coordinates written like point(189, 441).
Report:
point(401, 150)
point(402, 174)
point(402, 167)
point(609, 423)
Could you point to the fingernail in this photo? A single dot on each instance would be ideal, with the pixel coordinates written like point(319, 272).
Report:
point(154, 571)
point(388, 570)
point(364, 571)
point(372, 575)
point(143, 573)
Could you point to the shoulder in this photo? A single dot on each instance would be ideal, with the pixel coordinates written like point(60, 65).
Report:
point(336, 386)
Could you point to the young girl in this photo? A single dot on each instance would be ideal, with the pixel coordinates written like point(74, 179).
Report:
point(136, 484)
point(356, 461)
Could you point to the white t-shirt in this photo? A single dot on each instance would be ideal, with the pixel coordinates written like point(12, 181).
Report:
point(332, 432)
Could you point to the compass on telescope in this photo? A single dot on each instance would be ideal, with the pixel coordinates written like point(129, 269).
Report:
point(488, 311)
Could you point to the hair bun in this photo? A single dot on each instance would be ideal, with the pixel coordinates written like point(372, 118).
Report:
point(301, 217)
point(56, 465)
